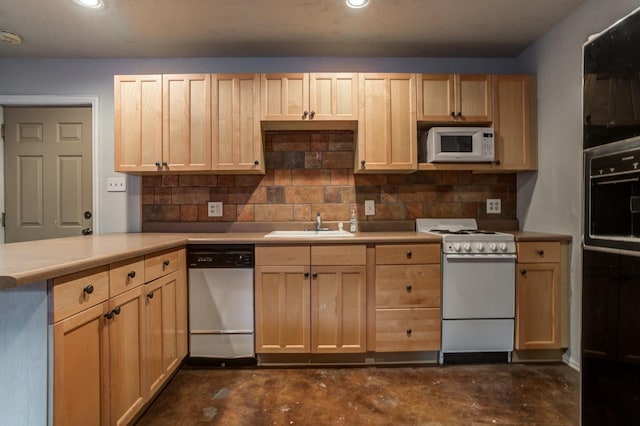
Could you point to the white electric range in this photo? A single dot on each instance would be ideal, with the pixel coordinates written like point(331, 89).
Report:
point(478, 290)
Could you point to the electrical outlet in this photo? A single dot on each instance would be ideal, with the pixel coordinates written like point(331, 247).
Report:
point(494, 205)
point(369, 207)
point(214, 209)
point(116, 185)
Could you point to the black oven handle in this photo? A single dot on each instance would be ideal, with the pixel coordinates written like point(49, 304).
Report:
point(481, 257)
point(611, 182)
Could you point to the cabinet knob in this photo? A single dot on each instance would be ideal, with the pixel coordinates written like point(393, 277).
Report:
point(459, 114)
point(409, 288)
point(150, 295)
point(158, 164)
point(314, 275)
point(497, 162)
point(304, 114)
point(165, 164)
point(409, 331)
point(541, 252)
point(409, 254)
point(313, 114)
point(131, 274)
point(306, 275)
point(88, 289)
point(256, 162)
point(453, 114)
point(116, 310)
point(362, 162)
point(111, 313)
point(523, 272)
point(165, 263)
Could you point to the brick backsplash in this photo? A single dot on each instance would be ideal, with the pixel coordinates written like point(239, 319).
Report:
point(307, 172)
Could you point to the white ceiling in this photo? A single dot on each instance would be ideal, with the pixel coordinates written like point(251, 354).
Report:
point(208, 28)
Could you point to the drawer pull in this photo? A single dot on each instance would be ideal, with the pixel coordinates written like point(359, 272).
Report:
point(150, 295)
point(88, 289)
point(131, 274)
point(541, 252)
point(165, 263)
point(409, 331)
point(409, 254)
point(409, 288)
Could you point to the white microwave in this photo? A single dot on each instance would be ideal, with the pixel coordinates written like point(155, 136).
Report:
point(460, 145)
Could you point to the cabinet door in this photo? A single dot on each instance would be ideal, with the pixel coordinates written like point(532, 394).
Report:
point(436, 98)
point(285, 97)
point(126, 355)
point(138, 123)
point(80, 368)
point(186, 137)
point(387, 129)
point(282, 309)
point(333, 96)
point(538, 306)
point(236, 138)
point(473, 98)
point(514, 122)
point(338, 309)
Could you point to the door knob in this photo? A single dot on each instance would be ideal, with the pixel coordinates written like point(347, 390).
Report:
point(87, 214)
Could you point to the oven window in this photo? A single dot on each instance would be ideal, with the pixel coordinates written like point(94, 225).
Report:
point(615, 207)
point(457, 143)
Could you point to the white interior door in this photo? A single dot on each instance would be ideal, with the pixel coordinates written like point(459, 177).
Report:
point(48, 173)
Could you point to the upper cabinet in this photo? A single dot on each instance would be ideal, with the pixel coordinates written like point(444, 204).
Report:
point(138, 123)
point(235, 109)
point(515, 122)
point(186, 135)
point(387, 129)
point(309, 97)
point(454, 98)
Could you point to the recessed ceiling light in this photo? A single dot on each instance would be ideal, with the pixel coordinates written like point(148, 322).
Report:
point(93, 4)
point(357, 4)
point(9, 37)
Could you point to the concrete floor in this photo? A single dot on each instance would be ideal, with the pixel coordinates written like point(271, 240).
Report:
point(522, 394)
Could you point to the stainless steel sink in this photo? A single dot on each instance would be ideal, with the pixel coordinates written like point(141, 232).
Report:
point(309, 234)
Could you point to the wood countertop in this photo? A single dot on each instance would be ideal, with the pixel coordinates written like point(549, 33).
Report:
point(28, 262)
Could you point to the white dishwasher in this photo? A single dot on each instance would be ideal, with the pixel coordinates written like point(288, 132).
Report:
point(221, 320)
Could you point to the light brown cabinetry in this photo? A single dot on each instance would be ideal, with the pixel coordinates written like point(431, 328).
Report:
point(538, 296)
point(515, 122)
point(407, 298)
point(454, 98)
point(138, 123)
point(310, 299)
point(309, 97)
point(235, 110)
point(387, 129)
point(117, 340)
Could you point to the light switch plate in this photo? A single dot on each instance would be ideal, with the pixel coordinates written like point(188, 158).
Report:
point(214, 209)
point(494, 205)
point(116, 185)
point(369, 207)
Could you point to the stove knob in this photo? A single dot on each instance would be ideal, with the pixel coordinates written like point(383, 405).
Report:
point(503, 246)
point(493, 247)
point(466, 247)
point(479, 247)
point(456, 247)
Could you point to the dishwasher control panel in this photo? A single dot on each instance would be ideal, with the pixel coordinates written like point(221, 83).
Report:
point(220, 256)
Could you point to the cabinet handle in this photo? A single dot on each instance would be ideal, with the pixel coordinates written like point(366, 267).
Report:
point(165, 164)
point(117, 310)
point(304, 114)
point(131, 274)
point(523, 272)
point(453, 114)
point(409, 254)
point(306, 275)
point(459, 114)
point(314, 275)
point(497, 162)
point(150, 295)
point(409, 331)
point(313, 114)
point(541, 252)
point(157, 164)
point(111, 313)
point(165, 264)
point(362, 162)
point(409, 288)
point(256, 162)
point(88, 289)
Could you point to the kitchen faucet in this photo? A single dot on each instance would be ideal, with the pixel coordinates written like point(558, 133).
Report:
point(319, 223)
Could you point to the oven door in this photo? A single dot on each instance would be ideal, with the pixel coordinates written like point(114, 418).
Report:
point(478, 286)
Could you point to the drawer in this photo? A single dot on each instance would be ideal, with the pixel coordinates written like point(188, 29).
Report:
point(125, 275)
point(407, 286)
point(282, 255)
point(76, 292)
point(538, 252)
point(405, 254)
point(404, 330)
point(159, 264)
point(343, 254)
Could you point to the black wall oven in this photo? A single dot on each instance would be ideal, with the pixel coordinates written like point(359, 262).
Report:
point(610, 331)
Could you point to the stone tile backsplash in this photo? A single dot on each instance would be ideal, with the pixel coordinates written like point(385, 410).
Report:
point(307, 172)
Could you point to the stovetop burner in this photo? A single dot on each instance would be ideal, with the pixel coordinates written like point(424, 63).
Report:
point(462, 236)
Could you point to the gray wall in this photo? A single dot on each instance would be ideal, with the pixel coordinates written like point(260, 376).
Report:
point(119, 212)
point(551, 199)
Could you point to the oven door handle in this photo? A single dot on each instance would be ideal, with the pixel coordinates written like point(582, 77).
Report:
point(480, 257)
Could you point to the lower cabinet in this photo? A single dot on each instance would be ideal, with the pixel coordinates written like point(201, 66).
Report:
point(112, 354)
point(310, 299)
